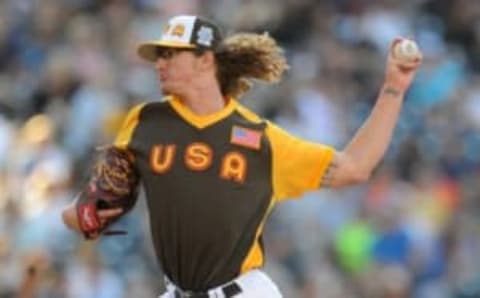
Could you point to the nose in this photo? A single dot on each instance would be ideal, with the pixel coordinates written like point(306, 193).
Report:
point(160, 64)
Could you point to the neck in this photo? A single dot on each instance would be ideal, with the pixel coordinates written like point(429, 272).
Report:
point(203, 100)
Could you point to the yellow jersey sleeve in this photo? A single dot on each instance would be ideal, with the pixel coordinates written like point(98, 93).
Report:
point(297, 165)
point(128, 127)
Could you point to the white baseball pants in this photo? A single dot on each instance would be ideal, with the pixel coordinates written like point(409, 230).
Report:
point(254, 284)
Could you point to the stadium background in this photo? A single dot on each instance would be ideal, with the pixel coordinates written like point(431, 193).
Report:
point(68, 73)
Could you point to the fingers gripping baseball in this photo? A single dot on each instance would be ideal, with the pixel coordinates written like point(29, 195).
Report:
point(404, 58)
point(406, 52)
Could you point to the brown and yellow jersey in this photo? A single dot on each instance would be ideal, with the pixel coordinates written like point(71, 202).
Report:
point(210, 183)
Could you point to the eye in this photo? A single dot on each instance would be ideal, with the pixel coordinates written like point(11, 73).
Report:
point(169, 54)
point(166, 53)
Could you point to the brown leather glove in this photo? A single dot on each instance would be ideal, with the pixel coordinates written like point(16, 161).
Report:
point(113, 184)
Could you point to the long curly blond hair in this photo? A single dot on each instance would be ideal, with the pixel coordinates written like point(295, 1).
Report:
point(245, 57)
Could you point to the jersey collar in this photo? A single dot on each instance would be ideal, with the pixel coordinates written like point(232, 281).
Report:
point(201, 121)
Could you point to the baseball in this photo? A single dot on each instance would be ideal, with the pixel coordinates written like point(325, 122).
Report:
point(406, 50)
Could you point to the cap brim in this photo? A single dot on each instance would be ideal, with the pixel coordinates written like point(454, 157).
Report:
point(148, 50)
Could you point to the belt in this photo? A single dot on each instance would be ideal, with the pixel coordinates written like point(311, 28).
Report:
point(229, 290)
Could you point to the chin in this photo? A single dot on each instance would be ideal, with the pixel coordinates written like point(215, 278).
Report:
point(166, 90)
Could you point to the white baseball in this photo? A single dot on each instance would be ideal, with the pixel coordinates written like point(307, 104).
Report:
point(406, 50)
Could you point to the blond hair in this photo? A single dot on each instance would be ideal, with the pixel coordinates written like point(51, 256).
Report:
point(245, 57)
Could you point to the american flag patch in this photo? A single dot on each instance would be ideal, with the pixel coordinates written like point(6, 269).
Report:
point(246, 137)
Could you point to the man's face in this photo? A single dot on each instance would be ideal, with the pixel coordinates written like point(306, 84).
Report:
point(177, 70)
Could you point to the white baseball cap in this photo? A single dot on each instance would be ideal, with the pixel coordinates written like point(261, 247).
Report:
point(183, 32)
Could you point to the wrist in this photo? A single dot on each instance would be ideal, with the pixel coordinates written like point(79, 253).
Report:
point(391, 90)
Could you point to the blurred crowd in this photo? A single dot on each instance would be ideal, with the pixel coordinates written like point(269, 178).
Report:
point(69, 73)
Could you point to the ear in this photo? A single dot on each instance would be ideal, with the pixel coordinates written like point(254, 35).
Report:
point(206, 61)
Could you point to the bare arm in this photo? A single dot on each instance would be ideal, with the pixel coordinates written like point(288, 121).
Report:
point(69, 217)
point(355, 163)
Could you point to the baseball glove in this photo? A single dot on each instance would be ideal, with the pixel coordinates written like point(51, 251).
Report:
point(112, 184)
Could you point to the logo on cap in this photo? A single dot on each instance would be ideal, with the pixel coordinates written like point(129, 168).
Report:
point(178, 30)
point(205, 36)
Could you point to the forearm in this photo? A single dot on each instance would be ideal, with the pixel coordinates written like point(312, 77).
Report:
point(356, 162)
point(371, 141)
point(69, 216)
